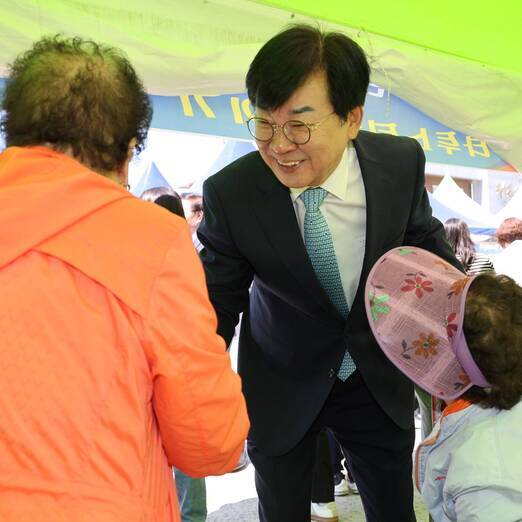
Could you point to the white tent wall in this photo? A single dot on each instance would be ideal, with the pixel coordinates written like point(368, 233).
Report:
point(493, 189)
point(205, 46)
point(450, 194)
point(513, 208)
point(503, 188)
point(182, 158)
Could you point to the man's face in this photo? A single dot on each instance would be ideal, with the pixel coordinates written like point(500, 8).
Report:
point(193, 217)
point(309, 164)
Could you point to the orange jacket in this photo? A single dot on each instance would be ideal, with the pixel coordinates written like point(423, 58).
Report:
point(110, 367)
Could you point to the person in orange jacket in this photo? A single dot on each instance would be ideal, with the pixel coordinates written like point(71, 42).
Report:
point(111, 370)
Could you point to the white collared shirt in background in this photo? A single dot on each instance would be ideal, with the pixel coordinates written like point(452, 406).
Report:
point(344, 209)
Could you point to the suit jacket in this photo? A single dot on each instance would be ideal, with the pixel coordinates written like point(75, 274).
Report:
point(292, 338)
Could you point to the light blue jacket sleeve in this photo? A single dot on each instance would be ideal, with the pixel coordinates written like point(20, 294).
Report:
point(489, 505)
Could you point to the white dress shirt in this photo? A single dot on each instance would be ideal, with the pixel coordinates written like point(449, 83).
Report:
point(344, 209)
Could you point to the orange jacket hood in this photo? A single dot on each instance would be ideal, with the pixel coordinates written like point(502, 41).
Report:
point(36, 188)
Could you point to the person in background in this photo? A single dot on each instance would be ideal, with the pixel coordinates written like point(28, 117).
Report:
point(344, 483)
point(193, 207)
point(289, 234)
point(323, 506)
point(460, 339)
point(170, 199)
point(172, 202)
point(152, 194)
point(109, 359)
point(331, 478)
point(457, 233)
point(509, 261)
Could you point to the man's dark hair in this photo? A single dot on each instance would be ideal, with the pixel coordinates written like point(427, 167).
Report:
point(171, 202)
point(75, 93)
point(493, 330)
point(288, 59)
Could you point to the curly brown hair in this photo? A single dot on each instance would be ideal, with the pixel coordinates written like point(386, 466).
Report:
point(509, 230)
point(77, 94)
point(493, 330)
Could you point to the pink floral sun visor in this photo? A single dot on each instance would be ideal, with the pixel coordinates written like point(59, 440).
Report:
point(415, 305)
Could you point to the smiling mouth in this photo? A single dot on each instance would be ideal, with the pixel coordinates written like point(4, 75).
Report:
point(289, 164)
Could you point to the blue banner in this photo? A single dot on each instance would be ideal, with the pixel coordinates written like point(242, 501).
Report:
point(225, 115)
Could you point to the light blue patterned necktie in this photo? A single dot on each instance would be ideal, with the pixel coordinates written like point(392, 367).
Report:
point(320, 248)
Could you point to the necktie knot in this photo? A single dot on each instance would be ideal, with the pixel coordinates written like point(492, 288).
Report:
point(312, 198)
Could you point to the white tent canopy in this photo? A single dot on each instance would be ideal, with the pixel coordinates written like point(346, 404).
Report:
point(443, 212)
point(205, 47)
point(452, 196)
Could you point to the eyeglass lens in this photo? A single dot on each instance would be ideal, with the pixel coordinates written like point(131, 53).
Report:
point(296, 131)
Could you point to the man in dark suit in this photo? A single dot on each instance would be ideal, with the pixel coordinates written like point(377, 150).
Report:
point(290, 234)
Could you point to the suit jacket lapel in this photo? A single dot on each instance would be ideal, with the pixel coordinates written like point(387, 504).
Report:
point(273, 207)
point(378, 193)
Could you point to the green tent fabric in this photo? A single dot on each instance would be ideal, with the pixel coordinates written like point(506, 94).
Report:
point(459, 62)
point(456, 61)
point(482, 31)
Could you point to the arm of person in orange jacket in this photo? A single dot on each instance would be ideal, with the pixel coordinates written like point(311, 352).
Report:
point(197, 396)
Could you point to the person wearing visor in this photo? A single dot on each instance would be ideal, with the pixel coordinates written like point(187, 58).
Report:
point(460, 339)
point(290, 233)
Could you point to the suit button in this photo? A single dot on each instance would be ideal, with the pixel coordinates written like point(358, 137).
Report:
point(331, 373)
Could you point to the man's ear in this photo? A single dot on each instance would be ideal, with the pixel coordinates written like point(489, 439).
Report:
point(198, 216)
point(354, 121)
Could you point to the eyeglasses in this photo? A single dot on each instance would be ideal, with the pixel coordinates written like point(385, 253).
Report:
point(296, 131)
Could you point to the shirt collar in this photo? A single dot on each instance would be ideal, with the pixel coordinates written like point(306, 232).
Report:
point(337, 182)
